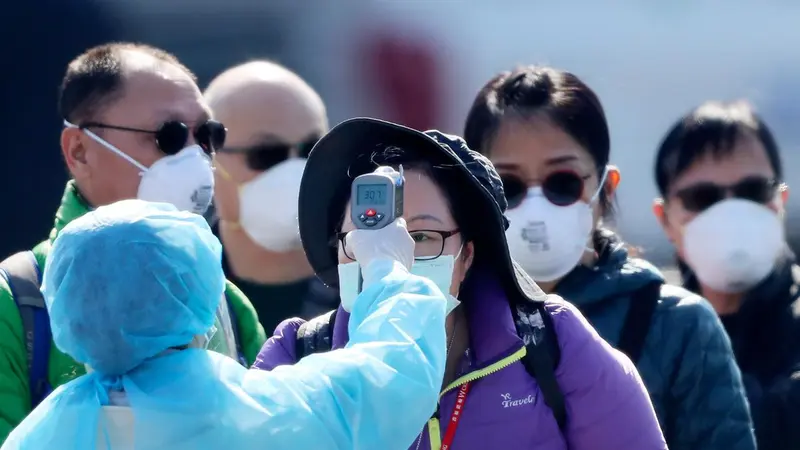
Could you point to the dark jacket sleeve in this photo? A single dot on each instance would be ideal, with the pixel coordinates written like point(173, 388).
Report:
point(776, 411)
point(710, 410)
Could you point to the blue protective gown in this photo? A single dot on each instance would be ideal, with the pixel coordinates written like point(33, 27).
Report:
point(377, 393)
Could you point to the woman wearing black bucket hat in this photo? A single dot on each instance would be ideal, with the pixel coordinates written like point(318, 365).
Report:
point(508, 394)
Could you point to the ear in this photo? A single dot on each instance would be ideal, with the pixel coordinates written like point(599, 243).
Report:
point(658, 211)
point(74, 150)
point(613, 177)
point(468, 255)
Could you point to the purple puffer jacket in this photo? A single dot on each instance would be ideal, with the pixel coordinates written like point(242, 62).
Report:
point(607, 404)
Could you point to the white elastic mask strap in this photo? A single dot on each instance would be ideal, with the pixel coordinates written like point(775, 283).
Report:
point(455, 260)
point(600, 186)
point(589, 245)
point(107, 145)
point(458, 253)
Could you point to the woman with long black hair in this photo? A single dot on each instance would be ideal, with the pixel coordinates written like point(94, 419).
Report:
point(546, 132)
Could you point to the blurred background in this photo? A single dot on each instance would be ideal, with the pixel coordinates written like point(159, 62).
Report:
point(419, 63)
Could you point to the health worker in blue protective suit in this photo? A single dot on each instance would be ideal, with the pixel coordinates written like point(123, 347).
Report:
point(132, 289)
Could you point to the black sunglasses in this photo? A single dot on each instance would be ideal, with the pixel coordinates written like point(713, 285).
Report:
point(172, 136)
point(703, 195)
point(561, 188)
point(261, 157)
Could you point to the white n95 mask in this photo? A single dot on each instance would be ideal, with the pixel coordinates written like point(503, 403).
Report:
point(184, 179)
point(548, 240)
point(268, 206)
point(439, 271)
point(733, 245)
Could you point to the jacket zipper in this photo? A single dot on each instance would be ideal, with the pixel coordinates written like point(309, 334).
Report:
point(434, 434)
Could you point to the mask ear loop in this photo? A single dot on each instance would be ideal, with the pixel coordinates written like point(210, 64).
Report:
point(456, 258)
point(595, 197)
point(600, 187)
point(224, 173)
point(107, 145)
point(217, 167)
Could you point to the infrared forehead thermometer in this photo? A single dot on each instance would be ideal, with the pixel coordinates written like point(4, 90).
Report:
point(376, 199)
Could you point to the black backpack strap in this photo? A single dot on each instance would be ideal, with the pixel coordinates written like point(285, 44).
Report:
point(315, 336)
point(638, 320)
point(542, 356)
point(22, 274)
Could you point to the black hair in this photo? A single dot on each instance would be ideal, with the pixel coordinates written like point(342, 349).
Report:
point(95, 79)
point(557, 95)
point(712, 128)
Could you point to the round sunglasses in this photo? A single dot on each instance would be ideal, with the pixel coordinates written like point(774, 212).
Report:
point(172, 136)
point(701, 196)
point(561, 188)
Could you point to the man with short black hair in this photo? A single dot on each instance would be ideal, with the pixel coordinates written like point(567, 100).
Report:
point(723, 206)
point(136, 126)
point(126, 106)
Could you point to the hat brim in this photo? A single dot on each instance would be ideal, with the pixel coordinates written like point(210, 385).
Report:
point(329, 173)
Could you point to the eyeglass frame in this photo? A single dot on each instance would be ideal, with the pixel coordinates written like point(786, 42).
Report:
point(190, 132)
point(340, 237)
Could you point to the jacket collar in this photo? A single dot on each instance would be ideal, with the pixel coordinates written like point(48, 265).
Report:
point(614, 274)
point(773, 295)
point(73, 205)
point(765, 329)
point(493, 333)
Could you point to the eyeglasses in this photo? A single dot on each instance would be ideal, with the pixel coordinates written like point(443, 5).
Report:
point(703, 195)
point(172, 136)
point(428, 244)
point(561, 188)
point(261, 157)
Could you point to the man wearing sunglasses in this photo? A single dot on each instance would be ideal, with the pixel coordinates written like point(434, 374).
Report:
point(274, 119)
point(720, 176)
point(135, 126)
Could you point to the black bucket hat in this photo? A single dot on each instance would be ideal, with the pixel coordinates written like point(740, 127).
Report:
point(332, 167)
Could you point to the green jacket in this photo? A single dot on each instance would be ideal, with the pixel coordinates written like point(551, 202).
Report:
point(687, 363)
point(15, 401)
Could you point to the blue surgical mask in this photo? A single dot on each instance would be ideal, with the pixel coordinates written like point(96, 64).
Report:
point(439, 271)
